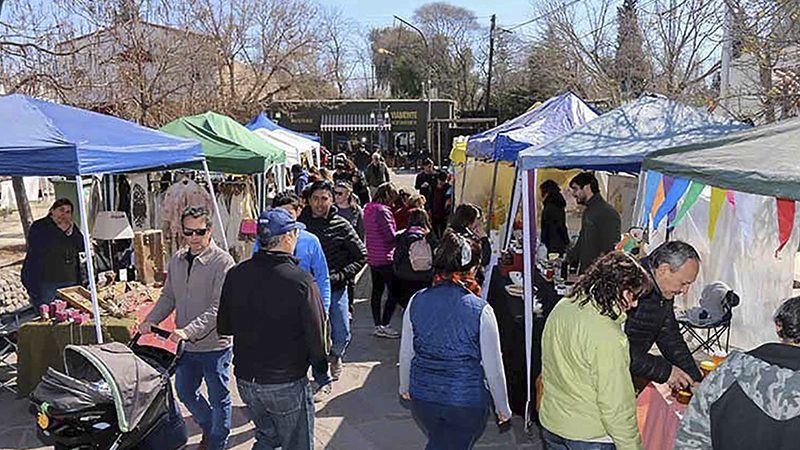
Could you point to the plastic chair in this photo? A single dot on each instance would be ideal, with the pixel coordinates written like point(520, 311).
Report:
point(9, 325)
point(711, 335)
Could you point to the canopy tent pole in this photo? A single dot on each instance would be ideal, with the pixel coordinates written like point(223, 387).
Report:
point(528, 240)
point(516, 195)
point(89, 259)
point(216, 205)
point(464, 178)
point(491, 197)
point(260, 191)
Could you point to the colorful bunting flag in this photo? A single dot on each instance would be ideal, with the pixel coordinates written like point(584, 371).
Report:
point(692, 194)
point(675, 188)
point(652, 182)
point(786, 211)
point(659, 198)
point(717, 199)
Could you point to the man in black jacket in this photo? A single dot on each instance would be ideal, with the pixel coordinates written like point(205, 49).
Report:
point(673, 267)
point(600, 223)
point(273, 310)
point(346, 256)
point(751, 401)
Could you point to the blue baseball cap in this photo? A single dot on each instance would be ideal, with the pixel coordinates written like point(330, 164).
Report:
point(275, 222)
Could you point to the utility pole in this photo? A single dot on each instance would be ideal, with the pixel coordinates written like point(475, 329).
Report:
point(491, 57)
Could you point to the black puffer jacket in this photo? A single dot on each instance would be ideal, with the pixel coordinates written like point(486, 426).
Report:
point(554, 224)
point(653, 321)
point(344, 251)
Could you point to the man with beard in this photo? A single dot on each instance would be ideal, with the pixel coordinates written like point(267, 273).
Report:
point(600, 224)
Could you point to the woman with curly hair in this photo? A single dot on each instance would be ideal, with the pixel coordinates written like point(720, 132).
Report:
point(588, 400)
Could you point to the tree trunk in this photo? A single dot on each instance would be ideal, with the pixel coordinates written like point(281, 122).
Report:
point(23, 206)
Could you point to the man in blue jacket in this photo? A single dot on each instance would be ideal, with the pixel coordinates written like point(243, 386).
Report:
point(312, 259)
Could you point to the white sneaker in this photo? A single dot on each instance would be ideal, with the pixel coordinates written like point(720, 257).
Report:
point(322, 393)
point(385, 331)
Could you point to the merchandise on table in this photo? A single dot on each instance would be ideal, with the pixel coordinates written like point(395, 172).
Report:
point(13, 296)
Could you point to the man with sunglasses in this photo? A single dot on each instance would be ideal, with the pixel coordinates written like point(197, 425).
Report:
point(346, 256)
point(195, 276)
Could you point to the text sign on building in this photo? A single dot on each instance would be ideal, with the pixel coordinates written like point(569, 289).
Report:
point(403, 118)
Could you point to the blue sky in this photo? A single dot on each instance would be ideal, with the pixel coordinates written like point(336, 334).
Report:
point(379, 12)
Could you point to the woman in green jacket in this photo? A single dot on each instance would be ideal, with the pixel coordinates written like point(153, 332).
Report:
point(588, 401)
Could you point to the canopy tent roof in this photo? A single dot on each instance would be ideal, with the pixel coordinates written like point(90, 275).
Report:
point(292, 153)
point(619, 139)
point(44, 139)
point(228, 146)
point(261, 121)
point(537, 126)
point(761, 160)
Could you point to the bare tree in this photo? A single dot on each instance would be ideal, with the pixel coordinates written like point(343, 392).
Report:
point(339, 48)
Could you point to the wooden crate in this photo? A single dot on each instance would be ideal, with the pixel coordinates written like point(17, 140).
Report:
point(77, 297)
point(148, 248)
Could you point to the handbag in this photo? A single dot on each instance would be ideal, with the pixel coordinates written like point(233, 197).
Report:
point(248, 229)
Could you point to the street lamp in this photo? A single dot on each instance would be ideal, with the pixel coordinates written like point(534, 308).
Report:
point(428, 76)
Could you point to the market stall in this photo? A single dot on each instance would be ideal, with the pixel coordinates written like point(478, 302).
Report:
point(733, 199)
point(40, 138)
point(617, 141)
point(304, 142)
point(489, 169)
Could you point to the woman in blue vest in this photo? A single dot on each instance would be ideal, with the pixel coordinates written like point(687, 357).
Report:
point(450, 362)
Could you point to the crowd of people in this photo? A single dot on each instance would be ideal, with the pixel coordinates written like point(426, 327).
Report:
point(287, 311)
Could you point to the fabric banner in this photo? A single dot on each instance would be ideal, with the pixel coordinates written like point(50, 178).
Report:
point(652, 183)
point(717, 199)
point(786, 211)
point(692, 194)
point(677, 187)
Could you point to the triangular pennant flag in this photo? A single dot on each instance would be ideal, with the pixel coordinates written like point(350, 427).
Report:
point(692, 194)
point(786, 210)
point(731, 198)
point(717, 199)
point(652, 182)
point(659, 198)
point(674, 193)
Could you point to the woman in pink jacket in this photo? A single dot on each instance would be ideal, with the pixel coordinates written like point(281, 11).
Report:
point(380, 230)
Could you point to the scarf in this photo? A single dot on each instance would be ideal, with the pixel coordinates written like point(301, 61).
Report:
point(464, 280)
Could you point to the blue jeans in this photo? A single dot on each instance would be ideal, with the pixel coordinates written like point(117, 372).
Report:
point(449, 427)
point(340, 322)
point(212, 415)
point(556, 442)
point(283, 414)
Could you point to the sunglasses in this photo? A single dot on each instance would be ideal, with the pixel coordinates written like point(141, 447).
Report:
point(198, 232)
point(340, 193)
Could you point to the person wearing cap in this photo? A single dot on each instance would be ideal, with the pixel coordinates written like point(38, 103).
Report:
point(272, 309)
point(192, 289)
point(52, 261)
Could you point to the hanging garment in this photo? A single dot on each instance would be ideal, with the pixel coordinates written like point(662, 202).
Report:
point(139, 206)
point(180, 195)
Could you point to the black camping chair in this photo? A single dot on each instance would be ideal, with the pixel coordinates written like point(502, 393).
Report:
point(714, 332)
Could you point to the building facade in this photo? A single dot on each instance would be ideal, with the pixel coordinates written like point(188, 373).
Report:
point(395, 127)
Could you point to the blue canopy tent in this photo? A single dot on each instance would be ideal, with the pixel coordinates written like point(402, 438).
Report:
point(537, 126)
point(262, 121)
point(39, 138)
point(617, 141)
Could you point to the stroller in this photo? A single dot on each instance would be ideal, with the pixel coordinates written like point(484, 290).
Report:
point(112, 397)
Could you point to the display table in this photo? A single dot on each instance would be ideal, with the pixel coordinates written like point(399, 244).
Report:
point(659, 416)
point(510, 313)
point(41, 344)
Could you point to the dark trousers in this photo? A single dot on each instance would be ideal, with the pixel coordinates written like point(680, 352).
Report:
point(556, 442)
point(382, 277)
point(449, 427)
point(283, 414)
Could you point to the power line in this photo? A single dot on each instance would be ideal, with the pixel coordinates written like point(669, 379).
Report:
point(543, 15)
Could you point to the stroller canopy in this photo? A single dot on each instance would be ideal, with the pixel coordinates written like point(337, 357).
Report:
point(134, 384)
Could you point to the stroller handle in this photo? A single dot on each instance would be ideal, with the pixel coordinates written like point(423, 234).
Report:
point(163, 334)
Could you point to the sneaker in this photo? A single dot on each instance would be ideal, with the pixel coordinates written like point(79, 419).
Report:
point(322, 393)
point(385, 331)
point(335, 365)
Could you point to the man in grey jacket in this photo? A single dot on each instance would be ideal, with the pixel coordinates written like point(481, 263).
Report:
point(194, 284)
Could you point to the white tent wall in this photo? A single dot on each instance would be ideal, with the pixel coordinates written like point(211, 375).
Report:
point(742, 255)
point(303, 144)
point(291, 151)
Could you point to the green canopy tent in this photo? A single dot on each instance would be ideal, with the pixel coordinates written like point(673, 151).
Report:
point(761, 160)
point(228, 146)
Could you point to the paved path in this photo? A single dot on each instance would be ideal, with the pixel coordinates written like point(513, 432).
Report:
point(363, 413)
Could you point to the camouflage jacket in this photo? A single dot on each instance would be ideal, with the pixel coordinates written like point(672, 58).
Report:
point(751, 401)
